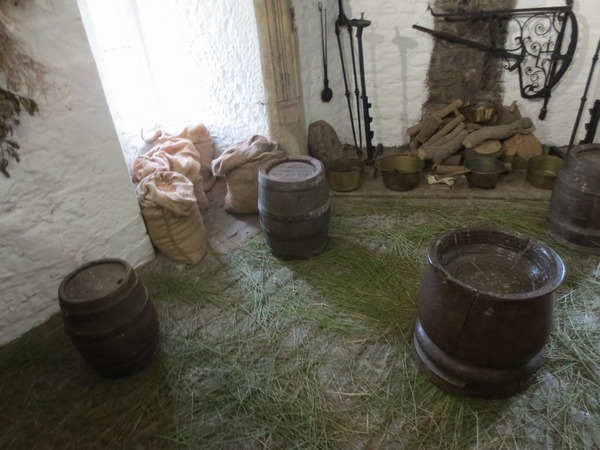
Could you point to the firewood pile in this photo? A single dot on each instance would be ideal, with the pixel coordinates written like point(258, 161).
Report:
point(449, 135)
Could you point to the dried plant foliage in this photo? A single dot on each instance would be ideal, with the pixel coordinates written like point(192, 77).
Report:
point(258, 352)
point(21, 75)
point(11, 106)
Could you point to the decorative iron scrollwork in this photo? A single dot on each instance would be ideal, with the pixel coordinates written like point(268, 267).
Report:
point(534, 46)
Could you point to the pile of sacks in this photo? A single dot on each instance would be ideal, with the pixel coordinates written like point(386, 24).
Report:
point(173, 178)
point(239, 165)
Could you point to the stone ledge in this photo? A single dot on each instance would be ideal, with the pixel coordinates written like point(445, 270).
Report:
point(512, 186)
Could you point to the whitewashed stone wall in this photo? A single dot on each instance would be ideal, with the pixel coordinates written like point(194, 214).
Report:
point(205, 64)
point(70, 200)
point(396, 62)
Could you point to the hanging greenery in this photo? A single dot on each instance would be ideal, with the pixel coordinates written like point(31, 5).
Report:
point(11, 106)
point(22, 76)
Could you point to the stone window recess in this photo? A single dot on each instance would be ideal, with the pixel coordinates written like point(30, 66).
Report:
point(169, 63)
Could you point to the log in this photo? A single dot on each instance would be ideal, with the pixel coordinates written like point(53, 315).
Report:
point(428, 129)
point(413, 144)
point(446, 129)
point(453, 170)
point(524, 145)
point(470, 127)
point(508, 114)
point(457, 129)
point(437, 153)
point(446, 110)
point(497, 132)
point(440, 114)
point(452, 160)
point(450, 170)
point(412, 131)
point(488, 147)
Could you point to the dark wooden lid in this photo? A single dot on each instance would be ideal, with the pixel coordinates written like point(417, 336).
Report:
point(96, 283)
point(590, 155)
point(293, 169)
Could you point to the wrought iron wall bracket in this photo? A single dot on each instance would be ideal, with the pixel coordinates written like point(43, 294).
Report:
point(535, 49)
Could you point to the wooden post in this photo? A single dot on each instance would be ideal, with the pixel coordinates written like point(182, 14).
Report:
point(280, 62)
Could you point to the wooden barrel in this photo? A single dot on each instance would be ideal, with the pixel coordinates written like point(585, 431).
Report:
point(109, 317)
point(575, 201)
point(293, 206)
point(485, 310)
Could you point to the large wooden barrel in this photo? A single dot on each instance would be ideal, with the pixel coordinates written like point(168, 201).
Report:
point(109, 317)
point(575, 201)
point(485, 310)
point(293, 205)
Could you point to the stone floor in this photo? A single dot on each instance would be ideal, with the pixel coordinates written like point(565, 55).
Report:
point(227, 231)
point(512, 186)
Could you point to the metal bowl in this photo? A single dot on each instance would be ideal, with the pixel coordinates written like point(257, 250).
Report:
point(400, 172)
point(480, 113)
point(483, 172)
point(345, 174)
point(543, 169)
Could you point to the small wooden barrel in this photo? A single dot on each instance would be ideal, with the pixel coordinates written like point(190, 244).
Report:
point(108, 316)
point(293, 206)
point(575, 201)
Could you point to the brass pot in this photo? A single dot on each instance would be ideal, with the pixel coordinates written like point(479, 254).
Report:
point(344, 174)
point(480, 113)
point(400, 172)
point(543, 169)
point(483, 172)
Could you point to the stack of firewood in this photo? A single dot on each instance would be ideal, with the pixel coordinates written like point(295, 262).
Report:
point(445, 135)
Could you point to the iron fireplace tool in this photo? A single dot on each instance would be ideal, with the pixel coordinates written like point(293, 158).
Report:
point(584, 97)
point(342, 21)
point(356, 89)
point(326, 93)
point(592, 126)
point(360, 25)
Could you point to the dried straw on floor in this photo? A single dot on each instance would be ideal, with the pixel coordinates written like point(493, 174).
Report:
point(262, 353)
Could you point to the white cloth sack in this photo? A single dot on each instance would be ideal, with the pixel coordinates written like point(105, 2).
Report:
point(239, 164)
point(172, 217)
point(200, 137)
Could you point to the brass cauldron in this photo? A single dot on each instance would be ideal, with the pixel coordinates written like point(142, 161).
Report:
point(400, 172)
point(543, 169)
point(344, 174)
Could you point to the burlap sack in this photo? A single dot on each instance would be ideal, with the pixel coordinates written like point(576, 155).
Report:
point(178, 155)
point(239, 165)
point(172, 217)
point(199, 135)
